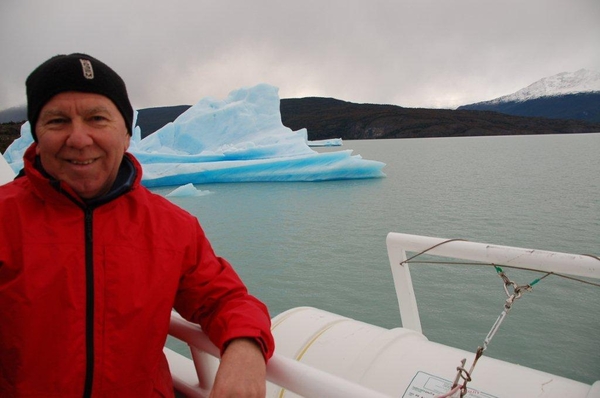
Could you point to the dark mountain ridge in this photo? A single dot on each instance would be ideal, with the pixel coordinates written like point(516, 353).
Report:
point(580, 106)
point(327, 118)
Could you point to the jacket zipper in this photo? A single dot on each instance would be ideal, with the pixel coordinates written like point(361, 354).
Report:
point(89, 303)
point(89, 272)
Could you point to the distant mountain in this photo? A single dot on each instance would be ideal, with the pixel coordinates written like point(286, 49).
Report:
point(14, 114)
point(9, 132)
point(562, 96)
point(327, 118)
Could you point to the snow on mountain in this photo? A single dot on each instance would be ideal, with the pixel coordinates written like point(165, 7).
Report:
point(582, 81)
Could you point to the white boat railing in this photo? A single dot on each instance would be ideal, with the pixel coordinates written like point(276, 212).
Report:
point(536, 260)
point(194, 377)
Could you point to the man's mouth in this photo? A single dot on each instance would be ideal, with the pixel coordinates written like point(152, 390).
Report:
point(82, 162)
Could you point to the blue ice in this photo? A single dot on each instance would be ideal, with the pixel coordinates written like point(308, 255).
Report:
point(238, 139)
point(187, 190)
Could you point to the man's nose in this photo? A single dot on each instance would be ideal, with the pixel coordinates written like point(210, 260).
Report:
point(79, 135)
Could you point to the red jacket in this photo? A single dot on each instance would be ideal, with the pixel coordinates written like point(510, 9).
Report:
point(86, 289)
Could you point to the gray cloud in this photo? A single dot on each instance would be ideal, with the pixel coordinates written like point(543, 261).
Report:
point(417, 53)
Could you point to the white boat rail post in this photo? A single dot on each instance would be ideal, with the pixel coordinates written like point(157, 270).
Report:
point(200, 346)
point(287, 373)
point(202, 366)
point(405, 292)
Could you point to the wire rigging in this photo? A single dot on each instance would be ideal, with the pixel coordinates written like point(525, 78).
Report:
point(513, 292)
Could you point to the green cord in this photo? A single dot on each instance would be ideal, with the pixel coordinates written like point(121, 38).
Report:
point(500, 271)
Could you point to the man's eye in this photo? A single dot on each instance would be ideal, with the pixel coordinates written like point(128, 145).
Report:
point(56, 120)
point(98, 118)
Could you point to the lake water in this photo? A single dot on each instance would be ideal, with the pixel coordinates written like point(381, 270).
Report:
point(322, 244)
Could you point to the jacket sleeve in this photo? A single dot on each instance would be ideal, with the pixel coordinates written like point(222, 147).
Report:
point(211, 294)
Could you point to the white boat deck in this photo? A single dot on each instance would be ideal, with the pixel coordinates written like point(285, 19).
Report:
point(321, 354)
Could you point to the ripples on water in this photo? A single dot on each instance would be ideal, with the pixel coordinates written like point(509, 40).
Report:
point(322, 244)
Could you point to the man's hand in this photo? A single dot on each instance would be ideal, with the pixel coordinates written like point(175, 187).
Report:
point(242, 372)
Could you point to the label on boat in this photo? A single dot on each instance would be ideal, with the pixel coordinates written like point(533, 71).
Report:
point(424, 385)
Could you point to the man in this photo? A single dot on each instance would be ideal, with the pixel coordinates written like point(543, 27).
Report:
point(91, 262)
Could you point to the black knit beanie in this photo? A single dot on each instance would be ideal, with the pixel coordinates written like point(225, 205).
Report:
point(75, 72)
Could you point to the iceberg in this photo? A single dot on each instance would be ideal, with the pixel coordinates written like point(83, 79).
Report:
point(187, 190)
point(238, 139)
point(330, 142)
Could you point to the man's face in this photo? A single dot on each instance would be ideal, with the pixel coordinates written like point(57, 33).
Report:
point(81, 140)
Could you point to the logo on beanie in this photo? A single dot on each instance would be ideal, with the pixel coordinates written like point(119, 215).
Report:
point(88, 71)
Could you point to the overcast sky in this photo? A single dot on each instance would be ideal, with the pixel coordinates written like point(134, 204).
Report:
point(414, 53)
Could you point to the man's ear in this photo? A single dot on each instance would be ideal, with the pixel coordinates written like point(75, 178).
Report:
point(127, 141)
